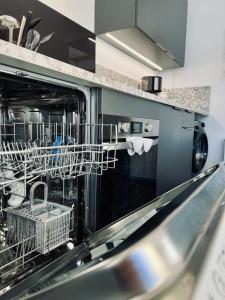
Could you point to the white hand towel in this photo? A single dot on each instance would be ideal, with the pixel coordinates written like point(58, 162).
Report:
point(147, 144)
point(136, 145)
point(130, 150)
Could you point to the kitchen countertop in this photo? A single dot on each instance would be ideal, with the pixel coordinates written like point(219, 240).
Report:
point(18, 57)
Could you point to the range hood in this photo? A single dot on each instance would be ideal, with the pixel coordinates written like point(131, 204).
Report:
point(131, 26)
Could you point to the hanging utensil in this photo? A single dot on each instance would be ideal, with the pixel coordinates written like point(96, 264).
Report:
point(21, 30)
point(26, 28)
point(34, 23)
point(44, 40)
point(35, 35)
point(30, 38)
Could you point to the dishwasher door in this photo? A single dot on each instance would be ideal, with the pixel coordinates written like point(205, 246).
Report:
point(158, 251)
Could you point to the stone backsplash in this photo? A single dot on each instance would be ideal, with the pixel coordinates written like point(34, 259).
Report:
point(193, 98)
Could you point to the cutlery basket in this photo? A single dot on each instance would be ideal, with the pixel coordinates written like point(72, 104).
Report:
point(49, 223)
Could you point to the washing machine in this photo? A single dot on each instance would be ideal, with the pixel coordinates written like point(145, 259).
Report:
point(200, 147)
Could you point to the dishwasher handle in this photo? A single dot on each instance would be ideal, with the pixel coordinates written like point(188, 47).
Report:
point(127, 145)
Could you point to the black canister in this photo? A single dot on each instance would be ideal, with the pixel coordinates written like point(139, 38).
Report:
point(152, 84)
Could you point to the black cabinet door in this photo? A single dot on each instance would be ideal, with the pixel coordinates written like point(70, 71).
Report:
point(175, 148)
point(187, 137)
point(169, 154)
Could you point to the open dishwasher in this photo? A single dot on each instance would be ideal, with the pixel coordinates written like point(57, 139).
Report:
point(47, 151)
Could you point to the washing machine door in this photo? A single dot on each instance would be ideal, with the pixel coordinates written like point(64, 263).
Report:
point(200, 149)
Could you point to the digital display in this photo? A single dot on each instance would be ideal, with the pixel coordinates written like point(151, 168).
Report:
point(136, 127)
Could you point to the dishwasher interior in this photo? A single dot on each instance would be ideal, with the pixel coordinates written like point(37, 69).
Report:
point(46, 154)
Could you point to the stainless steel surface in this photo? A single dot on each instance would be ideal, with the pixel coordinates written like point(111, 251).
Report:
point(35, 42)
point(44, 40)
point(33, 39)
point(130, 126)
point(152, 84)
point(161, 265)
point(114, 234)
point(139, 43)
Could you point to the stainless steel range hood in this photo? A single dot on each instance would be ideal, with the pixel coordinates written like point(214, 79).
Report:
point(153, 33)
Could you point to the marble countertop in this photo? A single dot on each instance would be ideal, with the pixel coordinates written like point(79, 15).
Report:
point(18, 57)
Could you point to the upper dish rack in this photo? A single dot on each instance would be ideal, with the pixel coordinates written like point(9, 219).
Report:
point(30, 150)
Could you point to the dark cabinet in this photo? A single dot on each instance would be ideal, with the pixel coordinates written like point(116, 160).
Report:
point(175, 148)
point(113, 15)
point(165, 22)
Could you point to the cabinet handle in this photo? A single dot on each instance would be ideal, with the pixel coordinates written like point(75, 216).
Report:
point(188, 128)
point(178, 108)
point(23, 74)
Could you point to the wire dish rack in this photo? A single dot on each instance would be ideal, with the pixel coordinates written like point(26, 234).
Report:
point(30, 150)
point(36, 227)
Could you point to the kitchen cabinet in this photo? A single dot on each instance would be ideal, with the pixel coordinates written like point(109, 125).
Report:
point(175, 148)
point(156, 29)
point(165, 21)
point(113, 15)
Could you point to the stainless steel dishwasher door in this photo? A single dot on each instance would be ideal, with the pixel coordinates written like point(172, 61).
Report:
point(167, 263)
